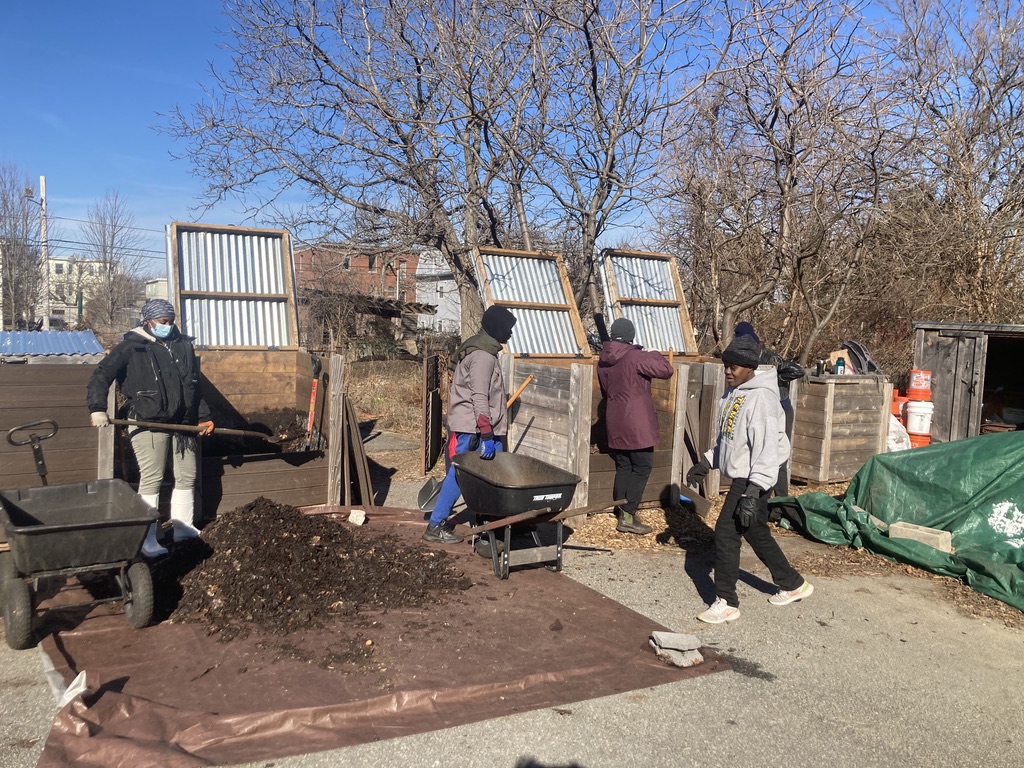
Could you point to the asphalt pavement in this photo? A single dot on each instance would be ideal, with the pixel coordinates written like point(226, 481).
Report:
point(868, 671)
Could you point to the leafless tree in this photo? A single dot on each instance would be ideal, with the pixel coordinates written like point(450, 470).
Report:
point(458, 125)
point(113, 246)
point(960, 67)
point(20, 277)
point(789, 158)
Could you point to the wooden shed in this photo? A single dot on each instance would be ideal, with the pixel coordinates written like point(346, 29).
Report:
point(975, 375)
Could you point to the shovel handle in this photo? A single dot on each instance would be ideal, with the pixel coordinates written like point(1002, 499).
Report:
point(191, 428)
point(519, 391)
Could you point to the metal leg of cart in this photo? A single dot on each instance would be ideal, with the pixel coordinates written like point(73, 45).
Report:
point(550, 555)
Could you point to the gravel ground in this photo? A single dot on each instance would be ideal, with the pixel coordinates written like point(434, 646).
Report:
point(880, 666)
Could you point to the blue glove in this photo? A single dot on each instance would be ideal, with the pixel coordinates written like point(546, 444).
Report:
point(487, 446)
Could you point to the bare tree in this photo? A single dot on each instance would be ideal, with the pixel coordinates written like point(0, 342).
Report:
point(458, 125)
point(20, 278)
point(788, 160)
point(114, 248)
point(960, 67)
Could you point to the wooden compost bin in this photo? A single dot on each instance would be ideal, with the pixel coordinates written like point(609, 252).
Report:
point(840, 422)
point(47, 391)
point(558, 419)
point(245, 384)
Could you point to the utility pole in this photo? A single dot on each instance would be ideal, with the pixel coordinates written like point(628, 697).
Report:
point(44, 260)
point(44, 263)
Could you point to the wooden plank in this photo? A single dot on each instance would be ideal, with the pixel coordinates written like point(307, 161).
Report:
point(578, 438)
point(555, 400)
point(815, 419)
point(73, 376)
point(335, 430)
point(66, 416)
point(545, 376)
point(681, 460)
point(552, 452)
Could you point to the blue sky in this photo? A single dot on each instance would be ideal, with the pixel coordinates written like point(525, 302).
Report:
point(81, 86)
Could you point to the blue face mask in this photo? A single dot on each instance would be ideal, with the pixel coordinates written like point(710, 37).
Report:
point(162, 331)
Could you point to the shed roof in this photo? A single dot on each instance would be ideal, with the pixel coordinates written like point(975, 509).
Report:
point(48, 343)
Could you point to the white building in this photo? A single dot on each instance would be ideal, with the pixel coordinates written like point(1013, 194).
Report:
point(72, 282)
point(435, 285)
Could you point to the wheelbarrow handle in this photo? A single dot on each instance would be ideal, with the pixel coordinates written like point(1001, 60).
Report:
point(192, 428)
point(33, 437)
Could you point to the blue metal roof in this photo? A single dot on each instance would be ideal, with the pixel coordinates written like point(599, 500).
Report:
point(30, 343)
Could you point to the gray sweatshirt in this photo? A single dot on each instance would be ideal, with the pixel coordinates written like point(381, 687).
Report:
point(477, 388)
point(752, 440)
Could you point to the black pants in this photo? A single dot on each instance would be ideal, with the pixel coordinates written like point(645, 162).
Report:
point(632, 468)
point(728, 540)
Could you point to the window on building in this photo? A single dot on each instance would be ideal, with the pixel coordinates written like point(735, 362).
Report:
point(58, 268)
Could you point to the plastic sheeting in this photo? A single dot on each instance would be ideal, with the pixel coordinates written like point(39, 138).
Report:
point(172, 696)
point(973, 488)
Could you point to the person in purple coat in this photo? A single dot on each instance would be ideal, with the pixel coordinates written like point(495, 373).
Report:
point(625, 371)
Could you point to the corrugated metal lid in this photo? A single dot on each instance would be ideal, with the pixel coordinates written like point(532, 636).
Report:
point(31, 343)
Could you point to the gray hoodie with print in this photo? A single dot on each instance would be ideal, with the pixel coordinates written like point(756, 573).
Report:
point(752, 441)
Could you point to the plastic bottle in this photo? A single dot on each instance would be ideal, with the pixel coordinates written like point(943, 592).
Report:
point(840, 366)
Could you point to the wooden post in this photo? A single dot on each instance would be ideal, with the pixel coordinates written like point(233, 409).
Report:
point(336, 431)
point(680, 455)
point(105, 436)
point(580, 386)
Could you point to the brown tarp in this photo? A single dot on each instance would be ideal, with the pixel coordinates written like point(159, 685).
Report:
point(171, 695)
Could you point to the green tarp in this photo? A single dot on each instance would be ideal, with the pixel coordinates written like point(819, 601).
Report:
point(973, 488)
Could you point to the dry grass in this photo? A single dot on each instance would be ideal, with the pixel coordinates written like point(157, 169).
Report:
point(387, 393)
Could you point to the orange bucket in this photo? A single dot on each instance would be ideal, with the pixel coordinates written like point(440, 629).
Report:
point(919, 441)
point(896, 408)
point(919, 385)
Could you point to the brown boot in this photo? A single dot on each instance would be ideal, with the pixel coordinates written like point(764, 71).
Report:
point(629, 522)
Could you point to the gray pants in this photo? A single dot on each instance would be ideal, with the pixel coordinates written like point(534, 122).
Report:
point(151, 449)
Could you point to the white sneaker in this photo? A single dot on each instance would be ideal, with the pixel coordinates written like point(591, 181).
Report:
point(719, 612)
point(785, 597)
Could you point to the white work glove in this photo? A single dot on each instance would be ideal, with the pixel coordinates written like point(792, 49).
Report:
point(100, 419)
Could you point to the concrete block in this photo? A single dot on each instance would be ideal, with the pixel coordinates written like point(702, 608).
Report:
point(940, 540)
point(357, 517)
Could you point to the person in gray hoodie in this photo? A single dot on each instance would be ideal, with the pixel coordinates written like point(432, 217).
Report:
point(751, 446)
point(476, 412)
point(625, 371)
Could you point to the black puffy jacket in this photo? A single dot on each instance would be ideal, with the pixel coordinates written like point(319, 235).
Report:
point(159, 378)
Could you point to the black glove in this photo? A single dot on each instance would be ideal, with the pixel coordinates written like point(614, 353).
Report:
point(698, 472)
point(746, 511)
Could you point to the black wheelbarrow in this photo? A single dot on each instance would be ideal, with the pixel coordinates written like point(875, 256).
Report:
point(512, 489)
point(57, 531)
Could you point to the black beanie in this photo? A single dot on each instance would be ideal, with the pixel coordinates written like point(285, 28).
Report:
point(623, 330)
point(743, 350)
point(498, 323)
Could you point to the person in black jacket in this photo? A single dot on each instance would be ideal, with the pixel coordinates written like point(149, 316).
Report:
point(156, 369)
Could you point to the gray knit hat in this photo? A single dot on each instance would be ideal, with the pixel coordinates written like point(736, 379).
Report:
point(155, 308)
point(743, 350)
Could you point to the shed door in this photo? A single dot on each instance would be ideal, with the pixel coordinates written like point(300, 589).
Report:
point(957, 362)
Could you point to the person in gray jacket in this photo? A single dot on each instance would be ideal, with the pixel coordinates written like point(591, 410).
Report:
point(751, 445)
point(476, 412)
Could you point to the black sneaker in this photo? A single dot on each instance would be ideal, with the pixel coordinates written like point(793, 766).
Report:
point(442, 534)
point(633, 526)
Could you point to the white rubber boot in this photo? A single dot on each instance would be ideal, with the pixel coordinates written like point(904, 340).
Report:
point(182, 511)
point(152, 548)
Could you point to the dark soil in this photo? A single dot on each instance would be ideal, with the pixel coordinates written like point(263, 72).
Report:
point(267, 568)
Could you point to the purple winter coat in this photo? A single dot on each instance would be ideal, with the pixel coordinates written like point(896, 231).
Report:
point(625, 372)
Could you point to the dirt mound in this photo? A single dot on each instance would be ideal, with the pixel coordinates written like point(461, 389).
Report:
point(270, 568)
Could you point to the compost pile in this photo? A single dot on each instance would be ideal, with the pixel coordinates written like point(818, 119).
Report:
point(267, 567)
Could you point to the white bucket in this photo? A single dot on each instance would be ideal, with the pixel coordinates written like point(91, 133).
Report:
point(919, 416)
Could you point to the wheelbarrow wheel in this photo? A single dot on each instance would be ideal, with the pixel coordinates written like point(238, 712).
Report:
point(18, 614)
point(138, 597)
point(8, 570)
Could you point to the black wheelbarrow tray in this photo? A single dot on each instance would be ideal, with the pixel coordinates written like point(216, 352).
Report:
point(58, 531)
point(517, 489)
